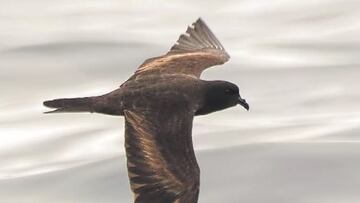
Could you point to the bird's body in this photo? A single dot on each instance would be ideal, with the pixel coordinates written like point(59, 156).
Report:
point(172, 88)
point(159, 103)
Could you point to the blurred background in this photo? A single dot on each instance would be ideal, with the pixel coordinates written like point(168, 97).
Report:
point(296, 63)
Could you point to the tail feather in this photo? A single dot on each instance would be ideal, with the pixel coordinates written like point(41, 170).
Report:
point(84, 104)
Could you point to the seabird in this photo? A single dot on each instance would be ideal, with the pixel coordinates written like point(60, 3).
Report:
point(159, 102)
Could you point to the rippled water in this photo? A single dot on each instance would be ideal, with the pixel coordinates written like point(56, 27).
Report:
point(297, 64)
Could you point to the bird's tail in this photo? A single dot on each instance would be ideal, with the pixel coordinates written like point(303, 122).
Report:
point(84, 104)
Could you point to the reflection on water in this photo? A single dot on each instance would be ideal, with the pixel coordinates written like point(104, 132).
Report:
point(295, 62)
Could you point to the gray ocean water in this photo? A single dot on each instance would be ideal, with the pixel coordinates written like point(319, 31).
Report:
point(296, 63)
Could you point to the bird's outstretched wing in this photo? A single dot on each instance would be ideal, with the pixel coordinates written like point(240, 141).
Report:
point(193, 52)
point(161, 162)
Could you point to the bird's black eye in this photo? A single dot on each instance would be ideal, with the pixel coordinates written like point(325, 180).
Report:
point(230, 91)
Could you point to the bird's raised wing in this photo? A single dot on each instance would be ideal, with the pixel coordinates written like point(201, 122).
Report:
point(161, 162)
point(193, 52)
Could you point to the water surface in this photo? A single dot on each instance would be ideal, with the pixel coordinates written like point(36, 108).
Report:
point(295, 62)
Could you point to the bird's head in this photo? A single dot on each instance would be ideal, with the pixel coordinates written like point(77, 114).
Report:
point(220, 95)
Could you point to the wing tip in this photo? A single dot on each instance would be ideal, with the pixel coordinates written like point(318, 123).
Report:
point(197, 36)
point(199, 20)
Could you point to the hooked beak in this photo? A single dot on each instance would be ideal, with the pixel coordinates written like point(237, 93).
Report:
point(243, 103)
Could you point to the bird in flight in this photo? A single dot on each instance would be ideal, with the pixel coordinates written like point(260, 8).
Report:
point(159, 102)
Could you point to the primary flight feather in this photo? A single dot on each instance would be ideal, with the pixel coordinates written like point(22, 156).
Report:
point(159, 102)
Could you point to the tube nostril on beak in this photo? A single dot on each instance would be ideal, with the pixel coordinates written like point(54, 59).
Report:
point(244, 104)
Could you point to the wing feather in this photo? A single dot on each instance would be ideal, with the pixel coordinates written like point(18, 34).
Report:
point(193, 52)
point(161, 162)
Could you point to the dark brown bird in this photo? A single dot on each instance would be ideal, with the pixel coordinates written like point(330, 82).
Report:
point(159, 103)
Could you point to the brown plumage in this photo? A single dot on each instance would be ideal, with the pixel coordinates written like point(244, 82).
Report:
point(159, 103)
point(193, 52)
